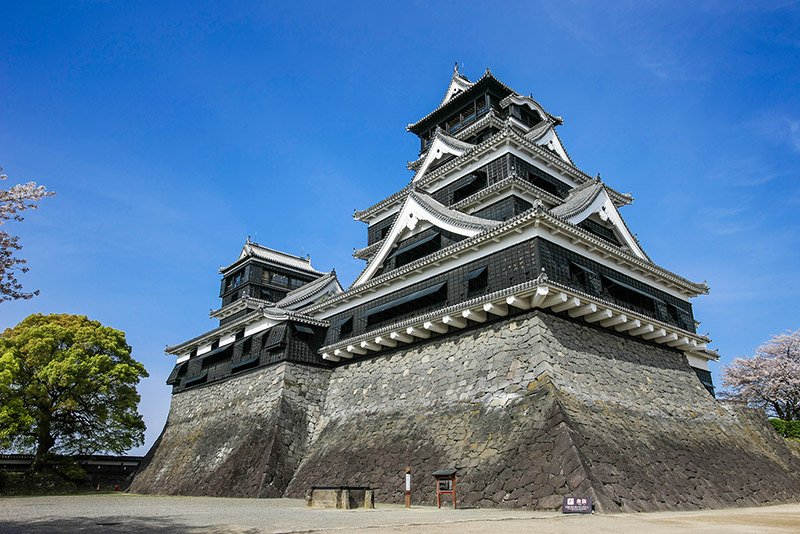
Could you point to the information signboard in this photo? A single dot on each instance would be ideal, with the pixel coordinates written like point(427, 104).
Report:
point(577, 505)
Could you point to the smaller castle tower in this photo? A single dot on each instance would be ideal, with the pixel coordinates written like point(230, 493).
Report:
point(258, 324)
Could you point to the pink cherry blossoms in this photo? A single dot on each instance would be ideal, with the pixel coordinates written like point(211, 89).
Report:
point(770, 379)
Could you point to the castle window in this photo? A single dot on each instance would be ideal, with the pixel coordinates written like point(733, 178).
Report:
point(235, 280)
point(280, 279)
point(530, 118)
point(303, 331)
point(477, 280)
point(346, 328)
point(628, 295)
point(193, 353)
point(580, 276)
point(423, 298)
point(196, 380)
point(245, 364)
point(603, 232)
point(472, 184)
point(215, 344)
point(294, 283)
point(217, 356)
point(239, 335)
point(247, 345)
point(541, 182)
point(385, 231)
point(418, 249)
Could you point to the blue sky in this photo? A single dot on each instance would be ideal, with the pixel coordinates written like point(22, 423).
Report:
point(171, 133)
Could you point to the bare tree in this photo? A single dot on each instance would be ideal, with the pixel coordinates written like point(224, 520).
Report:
point(13, 201)
point(770, 379)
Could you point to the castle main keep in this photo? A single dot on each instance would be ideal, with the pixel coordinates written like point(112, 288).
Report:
point(507, 323)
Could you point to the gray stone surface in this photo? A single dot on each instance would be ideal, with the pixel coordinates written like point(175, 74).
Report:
point(242, 437)
point(529, 409)
point(536, 407)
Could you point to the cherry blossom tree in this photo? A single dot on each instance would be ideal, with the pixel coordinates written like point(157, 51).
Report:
point(770, 379)
point(13, 201)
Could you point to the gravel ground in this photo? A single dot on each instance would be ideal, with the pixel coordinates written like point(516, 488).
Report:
point(133, 514)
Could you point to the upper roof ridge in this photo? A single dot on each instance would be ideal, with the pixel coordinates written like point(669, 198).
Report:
point(253, 249)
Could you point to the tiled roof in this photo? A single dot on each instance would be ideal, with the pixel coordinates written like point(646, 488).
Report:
point(483, 80)
point(579, 199)
point(525, 218)
point(455, 217)
point(251, 249)
point(265, 311)
point(487, 145)
point(461, 84)
point(368, 251)
point(308, 290)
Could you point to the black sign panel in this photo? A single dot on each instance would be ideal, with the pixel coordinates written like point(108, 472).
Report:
point(577, 505)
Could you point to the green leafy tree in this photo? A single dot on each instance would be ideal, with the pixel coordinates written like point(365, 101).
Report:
point(68, 385)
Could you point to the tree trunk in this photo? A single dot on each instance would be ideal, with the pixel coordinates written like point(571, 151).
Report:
point(44, 443)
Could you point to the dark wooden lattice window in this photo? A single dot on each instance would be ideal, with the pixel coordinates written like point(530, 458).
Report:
point(304, 332)
point(280, 279)
point(418, 300)
point(416, 250)
point(474, 183)
point(543, 183)
point(346, 328)
point(705, 379)
point(603, 232)
point(477, 280)
point(628, 295)
point(580, 276)
point(235, 280)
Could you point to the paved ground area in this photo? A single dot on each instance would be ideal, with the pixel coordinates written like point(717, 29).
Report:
point(134, 514)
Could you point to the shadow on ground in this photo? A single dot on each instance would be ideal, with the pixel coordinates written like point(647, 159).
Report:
point(105, 525)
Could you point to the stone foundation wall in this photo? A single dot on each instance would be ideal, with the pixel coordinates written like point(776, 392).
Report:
point(528, 409)
point(242, 437)
point(536, 407)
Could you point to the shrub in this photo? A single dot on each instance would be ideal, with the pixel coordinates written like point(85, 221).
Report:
point(787, 429)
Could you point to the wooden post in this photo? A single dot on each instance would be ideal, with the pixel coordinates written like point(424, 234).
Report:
point(408, 487)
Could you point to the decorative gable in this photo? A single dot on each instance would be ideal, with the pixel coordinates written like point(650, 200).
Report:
point(458, 84)
point(590, 199)
point(418, 210)
point(443, 145)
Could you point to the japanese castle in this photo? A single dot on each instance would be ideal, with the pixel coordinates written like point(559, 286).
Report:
point(496, 221)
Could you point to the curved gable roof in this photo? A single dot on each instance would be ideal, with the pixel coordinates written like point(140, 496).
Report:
point(420, 207)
